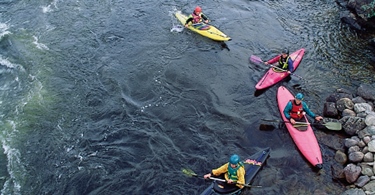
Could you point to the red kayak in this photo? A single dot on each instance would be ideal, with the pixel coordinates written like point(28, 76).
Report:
point(274, 75)
point(304, 139)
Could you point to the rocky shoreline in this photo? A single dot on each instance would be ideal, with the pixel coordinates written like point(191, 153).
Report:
point(358, 14)
point(355, 160)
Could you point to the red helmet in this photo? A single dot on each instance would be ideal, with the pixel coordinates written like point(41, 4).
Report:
point(198, 9)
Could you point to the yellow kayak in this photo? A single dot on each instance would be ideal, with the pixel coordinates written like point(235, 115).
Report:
point(212, 32)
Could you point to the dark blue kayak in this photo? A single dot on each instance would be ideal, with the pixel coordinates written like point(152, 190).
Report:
point(218, 187)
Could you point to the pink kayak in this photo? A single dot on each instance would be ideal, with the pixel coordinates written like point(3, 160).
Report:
point(304, 139)
point(273, 75)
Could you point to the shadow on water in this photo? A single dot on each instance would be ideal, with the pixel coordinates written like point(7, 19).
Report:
point(259, 92)
point(266, 127)
point(224, 46)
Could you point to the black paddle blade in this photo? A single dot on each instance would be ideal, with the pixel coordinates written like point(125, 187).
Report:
point(264, 127)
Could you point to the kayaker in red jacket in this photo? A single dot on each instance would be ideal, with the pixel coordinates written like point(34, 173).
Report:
point(234, 171)
point(197, 17)
point(296, 109)
point(284, 60)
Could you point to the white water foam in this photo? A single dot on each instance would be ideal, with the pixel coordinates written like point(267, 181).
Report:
point(39, 45)
point(8, 64)
point(176, 27)
point(5, 62)
point(49, 8)
point(15, 167)
point(4, 30)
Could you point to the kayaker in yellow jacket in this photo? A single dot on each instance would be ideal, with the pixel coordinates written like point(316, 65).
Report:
point(234, 171)
point(197, 17)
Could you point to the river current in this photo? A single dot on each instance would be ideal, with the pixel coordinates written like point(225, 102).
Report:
point(100, 97)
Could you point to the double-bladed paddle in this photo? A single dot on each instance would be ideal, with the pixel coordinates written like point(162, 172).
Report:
point(258, 60)
point(335, 126)
point(191, 173)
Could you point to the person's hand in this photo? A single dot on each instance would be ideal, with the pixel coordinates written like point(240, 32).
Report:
point(230, 181)
point(318, 118)
point(292, 121)
point(289, 72)
point(207, 176)
point(186, 25)
point(206, 21)
point(265, 62)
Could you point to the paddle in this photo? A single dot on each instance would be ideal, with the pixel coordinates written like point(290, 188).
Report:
point(191, 173)
point(335, 126)
point(258, 60)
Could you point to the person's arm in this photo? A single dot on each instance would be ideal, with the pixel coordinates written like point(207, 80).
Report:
point(290, 65)
point(273, 60)
point(220, 170)
point(310, 113)
point(307, 110)
point(287, 110)
point(204, 17)
point(188, 20)
point(241, 177)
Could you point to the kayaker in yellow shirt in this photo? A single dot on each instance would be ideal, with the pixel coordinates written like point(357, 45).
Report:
point(233, 171)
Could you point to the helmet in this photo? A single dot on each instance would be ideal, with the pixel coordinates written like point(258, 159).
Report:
point(234, 159)
point(285, 51)
point(299, 96)
point(198, 9)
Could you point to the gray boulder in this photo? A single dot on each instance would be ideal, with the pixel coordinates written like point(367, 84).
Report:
point(344, 103)
point(354, 191)
point(356, 157)
point(362, 180)
point(330, 110)
point(348, 112)
point(341, 157)
point(358, 99)
point(352, 173)
point(370, 186)
point(351, 125)
point(366, 91)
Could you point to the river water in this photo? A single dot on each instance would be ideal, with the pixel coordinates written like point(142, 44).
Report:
point(100, 97)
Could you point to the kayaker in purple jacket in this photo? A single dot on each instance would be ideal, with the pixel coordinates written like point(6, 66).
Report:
point(285, 62)
point(296, 109)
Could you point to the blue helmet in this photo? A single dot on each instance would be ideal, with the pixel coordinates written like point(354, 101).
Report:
point(299, 96)
point(234, 159)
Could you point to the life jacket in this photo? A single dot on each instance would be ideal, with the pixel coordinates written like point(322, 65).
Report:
point(232, 172)
point(283, 62)
point(297, 110)
point(196, 18)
